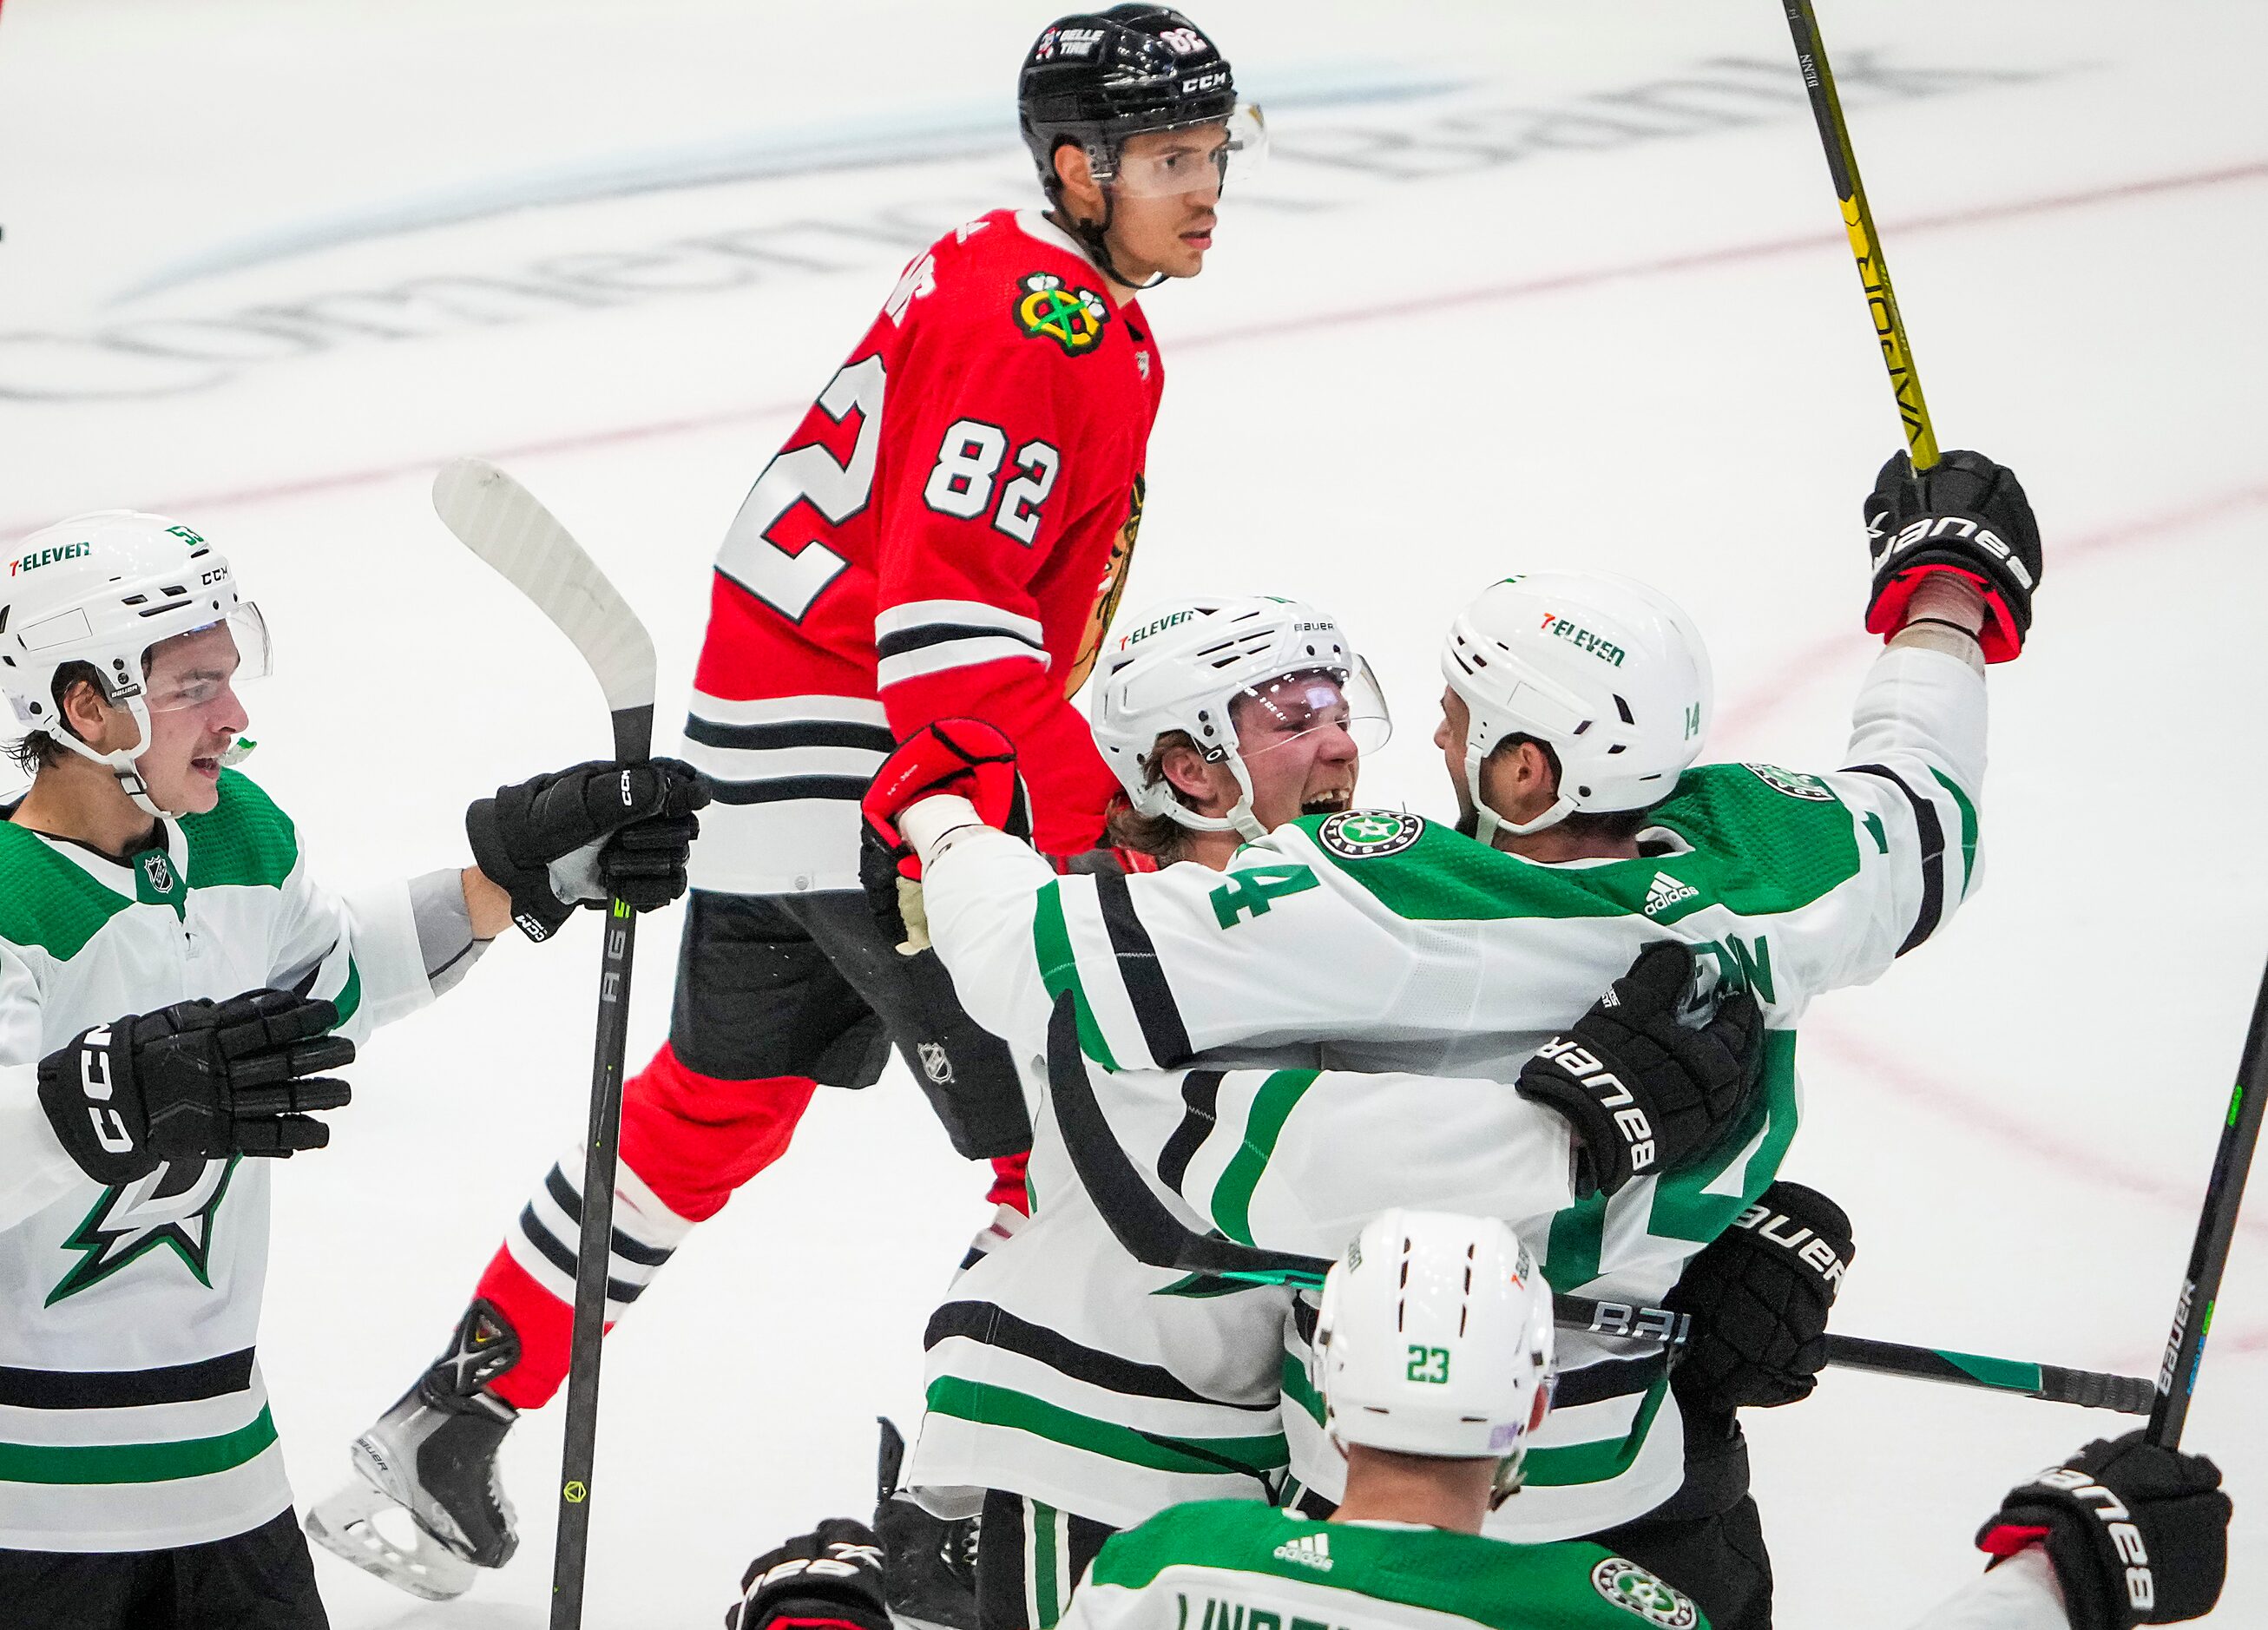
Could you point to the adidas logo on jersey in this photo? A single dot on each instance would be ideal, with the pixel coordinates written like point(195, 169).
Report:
point(1308, 1550)
point(1666, 892)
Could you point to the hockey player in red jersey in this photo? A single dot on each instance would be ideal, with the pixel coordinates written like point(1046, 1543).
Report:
point(945, 534)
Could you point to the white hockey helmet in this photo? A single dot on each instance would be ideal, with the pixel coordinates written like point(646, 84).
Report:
point(1183, 665)
point(1608, 673)
point(103, 589)
point(1435, 1338)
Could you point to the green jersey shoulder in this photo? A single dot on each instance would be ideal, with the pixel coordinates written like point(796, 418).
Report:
point(49, 902)
point(1758, 840)
point(1236, 1565)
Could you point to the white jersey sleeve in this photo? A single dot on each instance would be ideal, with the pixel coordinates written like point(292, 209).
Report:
point(358, 950)
point(1299, 1160)
point(33, 1169)
point(2022, 1594)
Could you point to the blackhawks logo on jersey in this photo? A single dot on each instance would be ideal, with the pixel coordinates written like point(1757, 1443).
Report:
point(1631, 1588)
point(1072, 318)
point(176, 1206)
point(1366, 834)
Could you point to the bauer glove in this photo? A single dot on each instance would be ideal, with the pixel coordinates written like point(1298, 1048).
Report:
point(830, 1579)
point(2138, 1535)
point(196, 1081)
point(1641, 1091)
point(1966, 515)
point(1759, 1295)
point(585, 835)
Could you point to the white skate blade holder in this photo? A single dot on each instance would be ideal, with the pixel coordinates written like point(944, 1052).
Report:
point(374, 1532)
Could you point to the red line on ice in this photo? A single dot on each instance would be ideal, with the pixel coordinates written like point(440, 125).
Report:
point(1732, 254)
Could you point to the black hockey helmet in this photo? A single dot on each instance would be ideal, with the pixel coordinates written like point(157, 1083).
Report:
point(1097, 78)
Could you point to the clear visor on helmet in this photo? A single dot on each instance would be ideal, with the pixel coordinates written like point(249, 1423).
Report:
point(1193, 157)
point(205, 664)
point(1283, 710)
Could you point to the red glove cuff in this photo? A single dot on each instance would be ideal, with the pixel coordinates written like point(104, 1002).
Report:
point(2006, 1540)
point(1998, 638)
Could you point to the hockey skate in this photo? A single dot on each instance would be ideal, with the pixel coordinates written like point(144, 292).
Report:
point(426, 1510)
point(929, 1569)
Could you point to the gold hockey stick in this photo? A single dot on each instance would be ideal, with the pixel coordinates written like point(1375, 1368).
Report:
point(1859, 223)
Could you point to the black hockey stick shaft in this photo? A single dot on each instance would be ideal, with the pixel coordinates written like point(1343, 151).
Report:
point(594, 1249)
point(1146, 1229)
point(1858, 226)
point(2224, 1197)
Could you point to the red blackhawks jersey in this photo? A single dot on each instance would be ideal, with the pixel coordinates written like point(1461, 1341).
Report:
point(946, 533)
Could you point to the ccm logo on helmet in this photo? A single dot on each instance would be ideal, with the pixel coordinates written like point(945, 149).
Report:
point(1953, 525)
point(2126, 1539)
point(1204, 81)
point(1629, 1120)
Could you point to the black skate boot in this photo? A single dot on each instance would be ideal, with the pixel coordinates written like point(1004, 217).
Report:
point(428, 1472)
point(929, 1568)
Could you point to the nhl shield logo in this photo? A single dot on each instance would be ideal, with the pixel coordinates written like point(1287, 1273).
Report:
point(1366, 834)
point(936, 1064)
point(159, 871)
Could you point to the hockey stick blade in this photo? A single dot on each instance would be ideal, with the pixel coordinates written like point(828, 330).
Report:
point(1146, 1228)
point(1137, 1219)
point(502, 522)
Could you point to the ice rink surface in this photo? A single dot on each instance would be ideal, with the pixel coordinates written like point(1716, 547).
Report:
point(1525, 285)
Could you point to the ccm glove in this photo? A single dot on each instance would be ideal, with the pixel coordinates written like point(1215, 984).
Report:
point(1759, 1295)
point(2138, 1535)
point(1966, 515)
point(197, 1080)
point(964, 756)
point(831, 1577)
point(580, 836)
point(1642, 1090)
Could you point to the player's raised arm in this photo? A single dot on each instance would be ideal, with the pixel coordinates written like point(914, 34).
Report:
point(1956, 557)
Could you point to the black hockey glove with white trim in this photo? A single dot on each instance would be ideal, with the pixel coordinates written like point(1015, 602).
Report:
point(196, 1081)
point(831, 1577)
point(1966, 515)
point(1641, 1090)
point(2138, 1535)
point(582, 836)
point(1759, 1295)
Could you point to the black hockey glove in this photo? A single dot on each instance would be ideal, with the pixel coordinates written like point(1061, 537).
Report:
point(929, 1563)
point(2138, 1535)
point(831, 1577)
point(1966, 515)
point(580, 836)
point(197, 1080)
point(1643, 1091)
point(1759, 1295)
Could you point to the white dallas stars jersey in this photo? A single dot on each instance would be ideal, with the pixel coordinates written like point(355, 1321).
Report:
point(132, 1413)
point(1218, 1567)
point(1400, 946)
point(1061, 1369)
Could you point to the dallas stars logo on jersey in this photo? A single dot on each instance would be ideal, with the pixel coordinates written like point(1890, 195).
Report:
point(1630, 1587)
point(1366, 834)
point(1072, 318)
point(176, 1206)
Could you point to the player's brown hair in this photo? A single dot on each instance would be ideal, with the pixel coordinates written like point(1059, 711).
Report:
point(1161, 837)
point(39, 748)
